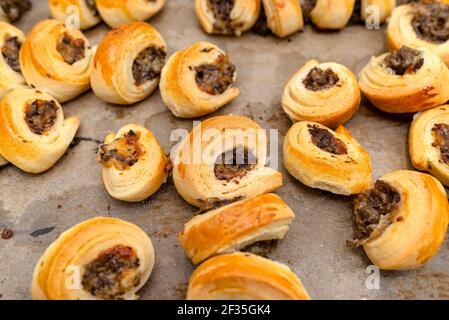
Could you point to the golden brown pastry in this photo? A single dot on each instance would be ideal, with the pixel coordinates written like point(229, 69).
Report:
point(402, 221)
point(128, 63)
point(429, 142)
point(56, 60)
point(134, 164)
point(11, 40)
point(244, 276)
point(117, 12)
point(284, 17)
point(227, 16)
point(33, 132)
point(198, 80)
point(224, 159)
point(376, 11)
point(327, 93)
point(85, 10)
point(13, 10)
point(420, 25)
point(406, 80)
point(329, 14)
point(323, 159)
point(98, 259)
point(3, 161)
point(236, 226)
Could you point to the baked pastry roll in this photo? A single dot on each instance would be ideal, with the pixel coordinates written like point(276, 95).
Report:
point(244, 276)
point(223, 159)
point(420, 25)
point(56, 60)
point(13, 10)
point(429, 142)
point(128, 63)
point(33, 132)
point(3, 161)
point(11, 40)
point(86, 10)
point(227, 16)
point(328, 14)
point(198, 80)
point(98, 259)
point(134, 164)
point(284, 17)
point(379, 10)
point(236, 226)
point(406, 80)
point(327, 93)
point(402, 221)
point(327, 160)
point(117, 12)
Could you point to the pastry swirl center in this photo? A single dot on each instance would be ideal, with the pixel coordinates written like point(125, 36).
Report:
point(404, 61)
point(10, 52)
point(215, 78)
point(431, 22)
point(234, 164)
point(41, 115)
point(121, 153)
point(221, 10)
point(14, 9)
point(148, 65)
point(318, 79)
point(373, 210)
point(70, 49)
point(441, 135)
point(112, 273)
point(326, 141)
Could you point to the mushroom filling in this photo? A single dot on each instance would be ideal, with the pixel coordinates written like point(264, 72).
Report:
point(215, 203)
point(441, 135)
point(234, 164)
point(307, 6)
point(70, 49)
point(261, 26)
point(148, 65)
point(215, 78)
point(92, 7)
point(121, 153)
point(431, 22)
point(372, 210)
point(221, 10)
point(14, 9)
point(41, 115)
point(326, 141)
point(404, 61)
point(318, 79)
point(262, 248)
point(112, 273)
point(10, 52)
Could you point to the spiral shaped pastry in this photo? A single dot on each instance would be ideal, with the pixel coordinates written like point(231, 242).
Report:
point(227, 16)
point(323, 159)
point(56, 60)
point(402, 221)
point(33, 131)
point(98, 259)
point(117, 12)
point(128, 63)
point(223, 159)
point(134, 164)
point(85, 10)
point(13, 10)
point(376, 11)
point(198, 80)
point(326, 93)
point(236, 226)
point(429, 142)
point(244, 276)
point(11, 40)
point(284, 17)
point(329, 14)
point(406, 80)
point(421, 25)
